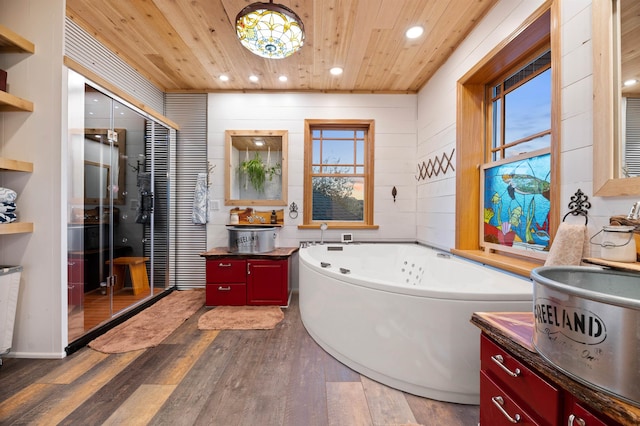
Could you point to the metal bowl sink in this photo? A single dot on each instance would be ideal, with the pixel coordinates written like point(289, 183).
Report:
point(251, 239)
point(587, 323)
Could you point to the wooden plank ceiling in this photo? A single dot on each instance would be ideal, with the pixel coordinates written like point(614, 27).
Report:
point(185, 45)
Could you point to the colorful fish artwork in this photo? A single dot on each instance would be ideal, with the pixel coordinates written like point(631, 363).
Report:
point(526, 185)
point(517, 203)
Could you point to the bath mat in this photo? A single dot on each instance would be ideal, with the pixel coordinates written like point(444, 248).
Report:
point(151, 326)
point(241, 318)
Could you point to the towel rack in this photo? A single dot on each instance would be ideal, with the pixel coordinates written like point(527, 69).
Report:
point(579, 206)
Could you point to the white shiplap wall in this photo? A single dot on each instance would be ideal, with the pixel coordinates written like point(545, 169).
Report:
point(395, 149)
point(437, 117)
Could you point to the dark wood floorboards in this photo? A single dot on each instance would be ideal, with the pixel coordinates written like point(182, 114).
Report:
point(255, 377)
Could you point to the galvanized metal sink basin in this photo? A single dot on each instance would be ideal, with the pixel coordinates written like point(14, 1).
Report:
point(587, 323)
point(251, 239)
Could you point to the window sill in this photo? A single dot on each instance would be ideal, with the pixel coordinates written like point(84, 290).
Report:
point(339, 226)
point(513, 264)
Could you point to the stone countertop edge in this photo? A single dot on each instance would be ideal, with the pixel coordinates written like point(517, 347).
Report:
point(219, 252)
point(517, 340)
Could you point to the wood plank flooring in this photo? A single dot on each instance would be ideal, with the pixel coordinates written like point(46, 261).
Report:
point(96, 309)
point(195, 377)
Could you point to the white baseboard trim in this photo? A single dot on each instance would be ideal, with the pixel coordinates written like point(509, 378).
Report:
point(36, 355)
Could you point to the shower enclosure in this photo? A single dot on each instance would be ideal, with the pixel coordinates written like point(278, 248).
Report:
point(118, 207)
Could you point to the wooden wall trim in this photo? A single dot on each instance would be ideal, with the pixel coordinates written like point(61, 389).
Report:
point(543, 26)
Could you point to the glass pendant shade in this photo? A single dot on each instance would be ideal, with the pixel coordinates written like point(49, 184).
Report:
point(270, 30)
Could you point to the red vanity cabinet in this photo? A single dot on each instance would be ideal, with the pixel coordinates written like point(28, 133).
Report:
point(518, 386)
point(243, 279)
point(226, 282)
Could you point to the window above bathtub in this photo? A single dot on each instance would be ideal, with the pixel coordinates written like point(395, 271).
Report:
point(338, 173)
point(507, 164)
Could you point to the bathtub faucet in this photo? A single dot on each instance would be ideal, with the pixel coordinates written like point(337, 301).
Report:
point(323, 227)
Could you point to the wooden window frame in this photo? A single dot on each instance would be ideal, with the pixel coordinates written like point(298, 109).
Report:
point(369, 160)
point(540, 29)
point(490, 150)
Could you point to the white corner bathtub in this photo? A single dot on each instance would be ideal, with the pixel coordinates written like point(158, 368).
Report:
point(400, 314)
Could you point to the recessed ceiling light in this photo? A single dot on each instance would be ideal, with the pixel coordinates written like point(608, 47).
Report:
point(253, 78)
point(414, 32)
point(258, 142)
point(630, 82)
point(283, 78)
point(336, 70)
point(224, 77)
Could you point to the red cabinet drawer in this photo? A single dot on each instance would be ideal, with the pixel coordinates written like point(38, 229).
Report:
point(526, 387)
point(220, 294)
point(226, 271)
point(75, 270)
point(497, 408)
point(75, 294)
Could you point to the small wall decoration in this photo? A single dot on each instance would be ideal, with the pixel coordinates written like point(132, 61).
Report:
point(435, 166)
point(516, 203)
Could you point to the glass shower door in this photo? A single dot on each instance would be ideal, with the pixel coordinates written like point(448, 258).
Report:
point(118, 208)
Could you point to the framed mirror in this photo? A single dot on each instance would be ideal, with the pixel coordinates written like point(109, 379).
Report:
point(104, 160)
point(615, 26)
point(256, 167)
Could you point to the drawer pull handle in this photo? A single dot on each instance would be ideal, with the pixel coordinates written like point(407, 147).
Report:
point(499, 402)
point(498, 359)
point(227, 288)
point(224, 265)
point(575, 421)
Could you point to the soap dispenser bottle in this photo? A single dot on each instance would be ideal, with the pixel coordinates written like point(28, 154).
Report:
point(274, 217)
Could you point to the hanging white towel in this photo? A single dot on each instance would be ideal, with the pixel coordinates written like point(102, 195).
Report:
point(570, 245)
point(200, 200)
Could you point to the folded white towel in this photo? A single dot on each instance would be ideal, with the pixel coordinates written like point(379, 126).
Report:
point(7, 207)
point(7, 195)
point(8, 217)
point(570, 245)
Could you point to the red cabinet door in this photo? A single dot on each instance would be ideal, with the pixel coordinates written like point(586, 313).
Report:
point(577, 415)
point(267, 282)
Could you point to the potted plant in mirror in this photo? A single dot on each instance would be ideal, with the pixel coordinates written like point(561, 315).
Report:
point(274, 170)
point(254, 170)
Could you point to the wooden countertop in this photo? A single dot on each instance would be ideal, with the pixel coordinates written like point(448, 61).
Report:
point(278, 253)
point(514, 331)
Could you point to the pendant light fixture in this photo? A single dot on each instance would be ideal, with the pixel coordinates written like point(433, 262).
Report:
point(270, 30)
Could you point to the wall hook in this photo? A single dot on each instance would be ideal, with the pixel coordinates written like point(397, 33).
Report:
point(394, 192)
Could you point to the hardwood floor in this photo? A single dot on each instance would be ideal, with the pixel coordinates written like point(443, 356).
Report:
point(195, 377)
point(96, 309)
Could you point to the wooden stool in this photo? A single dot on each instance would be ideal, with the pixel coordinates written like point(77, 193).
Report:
point(137, 269)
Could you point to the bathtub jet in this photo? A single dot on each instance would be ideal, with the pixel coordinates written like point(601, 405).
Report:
point(401, 315)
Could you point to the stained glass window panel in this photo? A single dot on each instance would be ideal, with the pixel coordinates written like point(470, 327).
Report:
point(516, 204)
